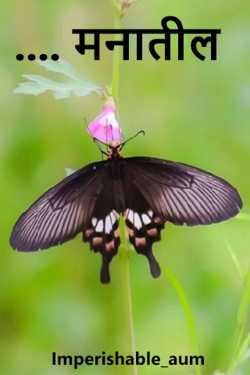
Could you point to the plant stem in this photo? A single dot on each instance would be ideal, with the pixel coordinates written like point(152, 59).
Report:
point(116, 60)
point(127, 294)
point(130, 311)
point(190, 322)
point(241, 335)
point(125, 250)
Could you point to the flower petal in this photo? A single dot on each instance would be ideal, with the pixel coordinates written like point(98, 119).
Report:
point(105, 126)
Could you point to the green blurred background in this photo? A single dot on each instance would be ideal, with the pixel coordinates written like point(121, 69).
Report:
point(192, 111)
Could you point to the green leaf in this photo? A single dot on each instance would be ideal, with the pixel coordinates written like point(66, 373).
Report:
point(234, 259)
point(180, 291)
point(242, 337)
point(73, 84)
point(245, 301)
point(61, 66)
point(243, 350)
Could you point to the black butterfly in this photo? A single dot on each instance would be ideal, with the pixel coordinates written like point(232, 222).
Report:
point(146, 191)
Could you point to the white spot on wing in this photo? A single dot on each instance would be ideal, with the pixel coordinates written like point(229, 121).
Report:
point(113, 217)
point(146, 220)
point(99, 227)
point(94, 221)
point(130, 216)
point(108, 224)
point(150, 212)
point(137, 221)
point(115, 213)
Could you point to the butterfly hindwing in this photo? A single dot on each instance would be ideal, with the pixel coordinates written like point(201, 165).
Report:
point(144, 228)
point(143, 225)
point(102, 230)
point(102, 233)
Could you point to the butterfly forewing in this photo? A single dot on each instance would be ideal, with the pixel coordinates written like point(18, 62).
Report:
point(183, 194)
point(60, 213)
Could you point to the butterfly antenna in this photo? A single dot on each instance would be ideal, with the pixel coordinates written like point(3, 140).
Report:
point(134, 136)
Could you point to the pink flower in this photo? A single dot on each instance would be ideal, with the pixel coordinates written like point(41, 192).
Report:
point(105, 127)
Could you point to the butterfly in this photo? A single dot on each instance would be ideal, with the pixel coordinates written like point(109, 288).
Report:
point(146, 191)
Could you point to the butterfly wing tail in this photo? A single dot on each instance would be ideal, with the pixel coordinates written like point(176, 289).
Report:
point(105, 273)
point(155, 269)
point(103, 237)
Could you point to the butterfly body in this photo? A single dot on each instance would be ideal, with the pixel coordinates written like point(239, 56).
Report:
point(148, 192)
